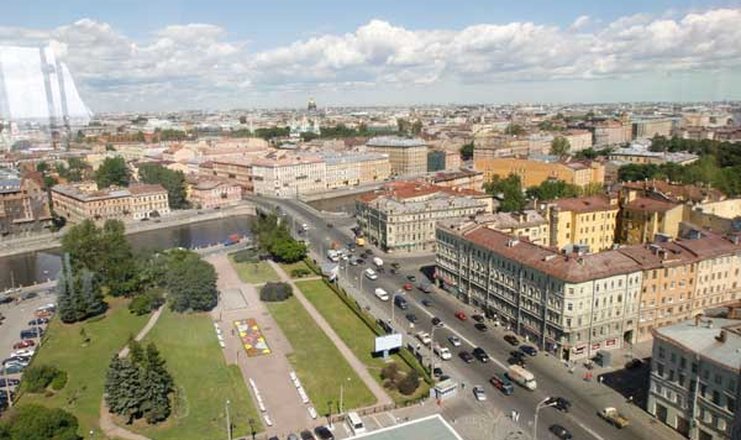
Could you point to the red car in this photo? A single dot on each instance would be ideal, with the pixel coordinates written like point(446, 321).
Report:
point(408, 287)
point(23, 344)
point(460, 315)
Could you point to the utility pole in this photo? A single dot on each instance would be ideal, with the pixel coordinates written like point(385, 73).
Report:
point(540, 405)
point(228, 422)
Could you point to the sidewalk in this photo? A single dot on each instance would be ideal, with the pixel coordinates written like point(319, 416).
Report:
point(381, 397)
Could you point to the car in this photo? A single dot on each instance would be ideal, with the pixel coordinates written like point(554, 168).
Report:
point(528, 350)
point(292, 436)
point(8, 382)
point(12, 369)
point(360, 261)
point(393, 271)
point(6, 300)
point(371, 274)
point(29, 295)
point(38, 321)
point(481, 327)
point(560, 432)
point(437, 322)
point(478, 317)
point(395, 265)
point(354, 262)
point(633, 364)
point(323, 433)
point(412, 278)
point(479, 393)
point(307, 435)
point(461, 315)
point(466, 357)
point(502, 383)
point(330, 225)
point(424, 287)
point(407, 286)
point(454, 340)
point(559, 403)
point(18, 359)
point(411, 317)
point(512, 339)
point(426, 302)
point(437, 371)
point(23, 352)
point(23, 344)
point(480, 354)
point(29, 333)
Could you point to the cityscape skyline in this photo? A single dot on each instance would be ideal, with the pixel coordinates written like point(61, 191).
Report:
point(632, 53)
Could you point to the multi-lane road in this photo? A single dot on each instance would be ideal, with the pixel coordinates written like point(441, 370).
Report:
point(554, 378)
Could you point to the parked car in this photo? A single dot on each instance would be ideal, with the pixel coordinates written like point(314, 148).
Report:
point(12, 369)
point(23, 352)
point(481, 327)
point(528, 350)
point(412, 278)
point(437, 322)
point(30, 333)
point(479, 393)
point(478, 317)
point(29, 295)
point(426, 302)
point(23, 344)
point(395, 265)
point(408, 287)
point(466, 357)
point(480, 354)
point(38, 321)
point(324, 433)
point(461, 315)
point(559, 403)
point(560, 432)
point(454, 340)
point(512, 339)
point(8, 382)
point(411, 317)
point(307, 435)
point(437, 371)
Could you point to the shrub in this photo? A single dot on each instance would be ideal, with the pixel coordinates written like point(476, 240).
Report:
point(59, 381)
point(390, 371)
point(146, 302)
point(300, 272)
point(245, 256)
point(274, 292)
point(37, 378)
point(409, 384)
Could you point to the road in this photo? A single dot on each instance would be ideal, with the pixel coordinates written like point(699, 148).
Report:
point(553, 377)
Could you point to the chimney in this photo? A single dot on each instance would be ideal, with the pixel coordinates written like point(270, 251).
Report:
point(721, 337)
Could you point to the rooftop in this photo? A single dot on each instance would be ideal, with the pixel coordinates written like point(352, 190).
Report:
point(647, 204)
point(84, 194)
point(585, 204)
point(703, 338)
point(677, 192)
point(395, 141)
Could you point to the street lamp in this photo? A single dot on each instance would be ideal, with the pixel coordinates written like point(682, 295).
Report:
point(228, 422)
point(329, 413)
point(548, 401)
point(342, 395)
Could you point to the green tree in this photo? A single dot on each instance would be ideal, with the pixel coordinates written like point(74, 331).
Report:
point(553, 189)
point(113, 171)
point(190, 282)
point(560, 146)
point(36, 422)
point(289, 250)
point(467, 151)
point(172, 181)
point(515, 130)
point(508, 190)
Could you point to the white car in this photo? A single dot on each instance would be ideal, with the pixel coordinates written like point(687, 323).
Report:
point(424, 337)
point(24, 352)
point(454, 340)
point(443, 352)
point(382, 294)
point(479, 393)
point(371, 274)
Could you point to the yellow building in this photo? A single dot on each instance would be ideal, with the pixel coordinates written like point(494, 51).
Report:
point(642, 218)
point(84, 201)
point(407, 157)
point(589, 221)
point(534, 172)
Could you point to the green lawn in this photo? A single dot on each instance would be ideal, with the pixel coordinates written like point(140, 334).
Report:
point(297, 265)
point(85, 365)
point(318, 363)
point(204, 381)
point(255, 273)
point(353, 331)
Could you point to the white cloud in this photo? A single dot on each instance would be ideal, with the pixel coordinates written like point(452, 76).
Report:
point(182, 65)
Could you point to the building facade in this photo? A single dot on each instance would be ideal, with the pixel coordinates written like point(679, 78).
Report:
point(238, 171)
point(288, 177)
point(695, 377)
point(352, 169)
point(642, 218)
point(648, 128)
point(210, 194)
point(578, 139)
point(408, 157)
point(611, 133)
point(586, 221)
point(534, 172)
point(24, 203)
point(84, 201)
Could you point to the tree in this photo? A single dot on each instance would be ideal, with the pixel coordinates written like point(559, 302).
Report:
point(288, 250)
point(113, 171)
point(78, 295)
point(36, 422)
point(273, 237)
point(172, 181)
point(508, 190)
point(553, 189)
point(275, 292)
point(514, 129)
point(410, 383)
point(467, 151)
point(190, 282)
point(560, 146)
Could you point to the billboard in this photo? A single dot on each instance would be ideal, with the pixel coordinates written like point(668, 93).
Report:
point(387, 342)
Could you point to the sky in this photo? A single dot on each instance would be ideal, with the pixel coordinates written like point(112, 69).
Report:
point(168, 55)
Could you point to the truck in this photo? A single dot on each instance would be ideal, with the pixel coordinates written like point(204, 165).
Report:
point(613, 417)
point(377, 261)
point(522, 377)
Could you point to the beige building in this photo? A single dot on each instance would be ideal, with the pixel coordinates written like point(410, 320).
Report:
point(207, 193)
point(238, 171)
point(352, 169)
point(578, 139)
point(534, 172)
point(585, 221)
point(408, 157)
point(84, 201)
point(528, 224)
point(611, 133)
point(648, 128)
point(289, 176)
point(401, 217)
point(463, 178)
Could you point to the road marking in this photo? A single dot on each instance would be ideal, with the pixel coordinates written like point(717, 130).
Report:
point(589, 430)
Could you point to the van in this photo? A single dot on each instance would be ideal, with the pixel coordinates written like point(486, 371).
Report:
point(355, 423)
point(500, 382)
point(401, 302)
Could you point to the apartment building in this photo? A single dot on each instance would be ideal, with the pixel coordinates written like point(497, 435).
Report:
point(695, 377)
point(492, 146)
point(589, 222)
point(572, 306)
point(643, 217)
point(374, 168)
point(24, 204)
point(408, 157)
point(611, 133)
point(718, 279)
point(208, 193)
point(534, 171)
point(464, 179)
point(85, 201)
point(401, 217)
point(288, 176)
point(440, 160)
point(238, 171)
point(350, 169)
point(650, 127)
point(640, 154)
point(578, 139)
point(528, 224)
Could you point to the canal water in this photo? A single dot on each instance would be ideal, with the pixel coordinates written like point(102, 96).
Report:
point(25, 269)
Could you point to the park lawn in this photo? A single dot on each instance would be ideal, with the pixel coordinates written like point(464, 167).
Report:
point(204, 382)
point(316, 360)
point(255, 273)
point(289, 267)
point(354, 332)
point(86, 365)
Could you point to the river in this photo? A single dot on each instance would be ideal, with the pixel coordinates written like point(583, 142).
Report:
point(25, 269)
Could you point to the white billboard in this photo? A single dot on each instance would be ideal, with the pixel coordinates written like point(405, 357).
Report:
point(388, 342)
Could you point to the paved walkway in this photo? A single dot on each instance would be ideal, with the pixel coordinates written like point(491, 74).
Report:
point(107, 425)
point(271, 372)
point(355, 363)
